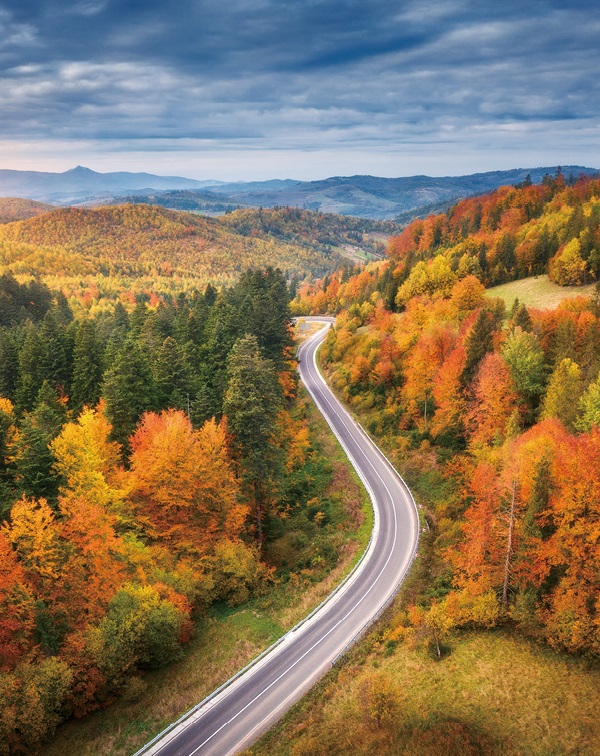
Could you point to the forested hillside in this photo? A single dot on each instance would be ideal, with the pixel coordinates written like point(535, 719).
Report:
point(316, 230)
point(509, 234)
point(97, 255)
point(494, 415)
point(149, 465)
point(15, 209)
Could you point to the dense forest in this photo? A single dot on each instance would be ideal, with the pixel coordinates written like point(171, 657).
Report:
point(16, 208)
point(509, 234)
point(493, 416)
point(149, 463)
point(316, 230)
point(99, 256)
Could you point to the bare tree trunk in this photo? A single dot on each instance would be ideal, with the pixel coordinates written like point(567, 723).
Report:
point(509, 548)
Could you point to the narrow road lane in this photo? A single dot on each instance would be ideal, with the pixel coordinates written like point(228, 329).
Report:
point(232, 719)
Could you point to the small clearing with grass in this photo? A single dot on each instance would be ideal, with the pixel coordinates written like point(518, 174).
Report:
point(538, 292)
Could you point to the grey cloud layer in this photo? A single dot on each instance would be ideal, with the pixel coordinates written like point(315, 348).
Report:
point(299, 75)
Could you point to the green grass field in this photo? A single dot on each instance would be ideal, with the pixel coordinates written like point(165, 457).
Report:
point(538, 292)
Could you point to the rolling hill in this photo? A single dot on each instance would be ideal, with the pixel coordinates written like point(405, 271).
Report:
point(100, 253)
point(16, 208)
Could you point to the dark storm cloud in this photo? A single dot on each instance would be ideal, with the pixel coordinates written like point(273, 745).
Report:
point(298, 75)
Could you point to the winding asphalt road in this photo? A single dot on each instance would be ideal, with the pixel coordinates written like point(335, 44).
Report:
point(232, 718)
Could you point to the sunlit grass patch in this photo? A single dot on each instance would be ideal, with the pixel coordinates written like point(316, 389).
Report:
point(538, 292)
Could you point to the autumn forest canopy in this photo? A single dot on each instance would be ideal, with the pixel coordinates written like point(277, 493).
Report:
point(99, 256)
point(492, 415)
point(150, 464)
point(155, 459)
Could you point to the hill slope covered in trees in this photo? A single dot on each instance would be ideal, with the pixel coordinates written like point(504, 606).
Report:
point(494, 414)
point(512, 233)
point(15, 209)
point(151, 464)
point(111, 252)
point(134, 239)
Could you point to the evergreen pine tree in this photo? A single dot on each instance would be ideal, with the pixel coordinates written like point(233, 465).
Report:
point(129, 391)
point(251, 405)
point(9, 363)
point(56, 356)
point(478, 343)
point(34, 461)
point(87, 370)
point(30, 376)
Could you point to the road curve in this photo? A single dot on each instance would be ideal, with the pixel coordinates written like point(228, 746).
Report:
point(232, 718)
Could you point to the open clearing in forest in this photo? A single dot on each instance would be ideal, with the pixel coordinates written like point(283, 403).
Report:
point(538, 292)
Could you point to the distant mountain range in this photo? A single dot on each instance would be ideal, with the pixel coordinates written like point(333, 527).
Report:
point(361, 196)
point(81, 183)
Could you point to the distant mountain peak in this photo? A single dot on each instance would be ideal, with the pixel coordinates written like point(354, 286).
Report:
point(80, 170)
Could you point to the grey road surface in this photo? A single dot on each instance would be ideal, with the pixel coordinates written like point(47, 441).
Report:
point(231, 720)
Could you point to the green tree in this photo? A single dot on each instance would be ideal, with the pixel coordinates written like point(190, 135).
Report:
point(479, 341)
point(87, 369)
point(140, 629)
point(222, 331)
point(170, 373)
point(34, 461)
point(525, 359)
point(49, 411)
point(129, 391)
point(264, 311)
point(9, 363)
point(56, 353)
point(589, 407)
point(252, 403)
point(564, 392)
point(30, 376)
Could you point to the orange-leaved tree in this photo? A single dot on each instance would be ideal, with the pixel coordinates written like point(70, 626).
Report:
point(183, 487)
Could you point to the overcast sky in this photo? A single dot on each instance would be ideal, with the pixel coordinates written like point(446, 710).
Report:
point(256, 89)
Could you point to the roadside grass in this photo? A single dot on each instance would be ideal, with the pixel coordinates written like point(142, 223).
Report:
point(305, 329)
point(538, 292)
point(227, 639)
point(494, 693)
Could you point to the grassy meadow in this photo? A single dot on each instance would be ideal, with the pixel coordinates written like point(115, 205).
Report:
point(538, 292)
